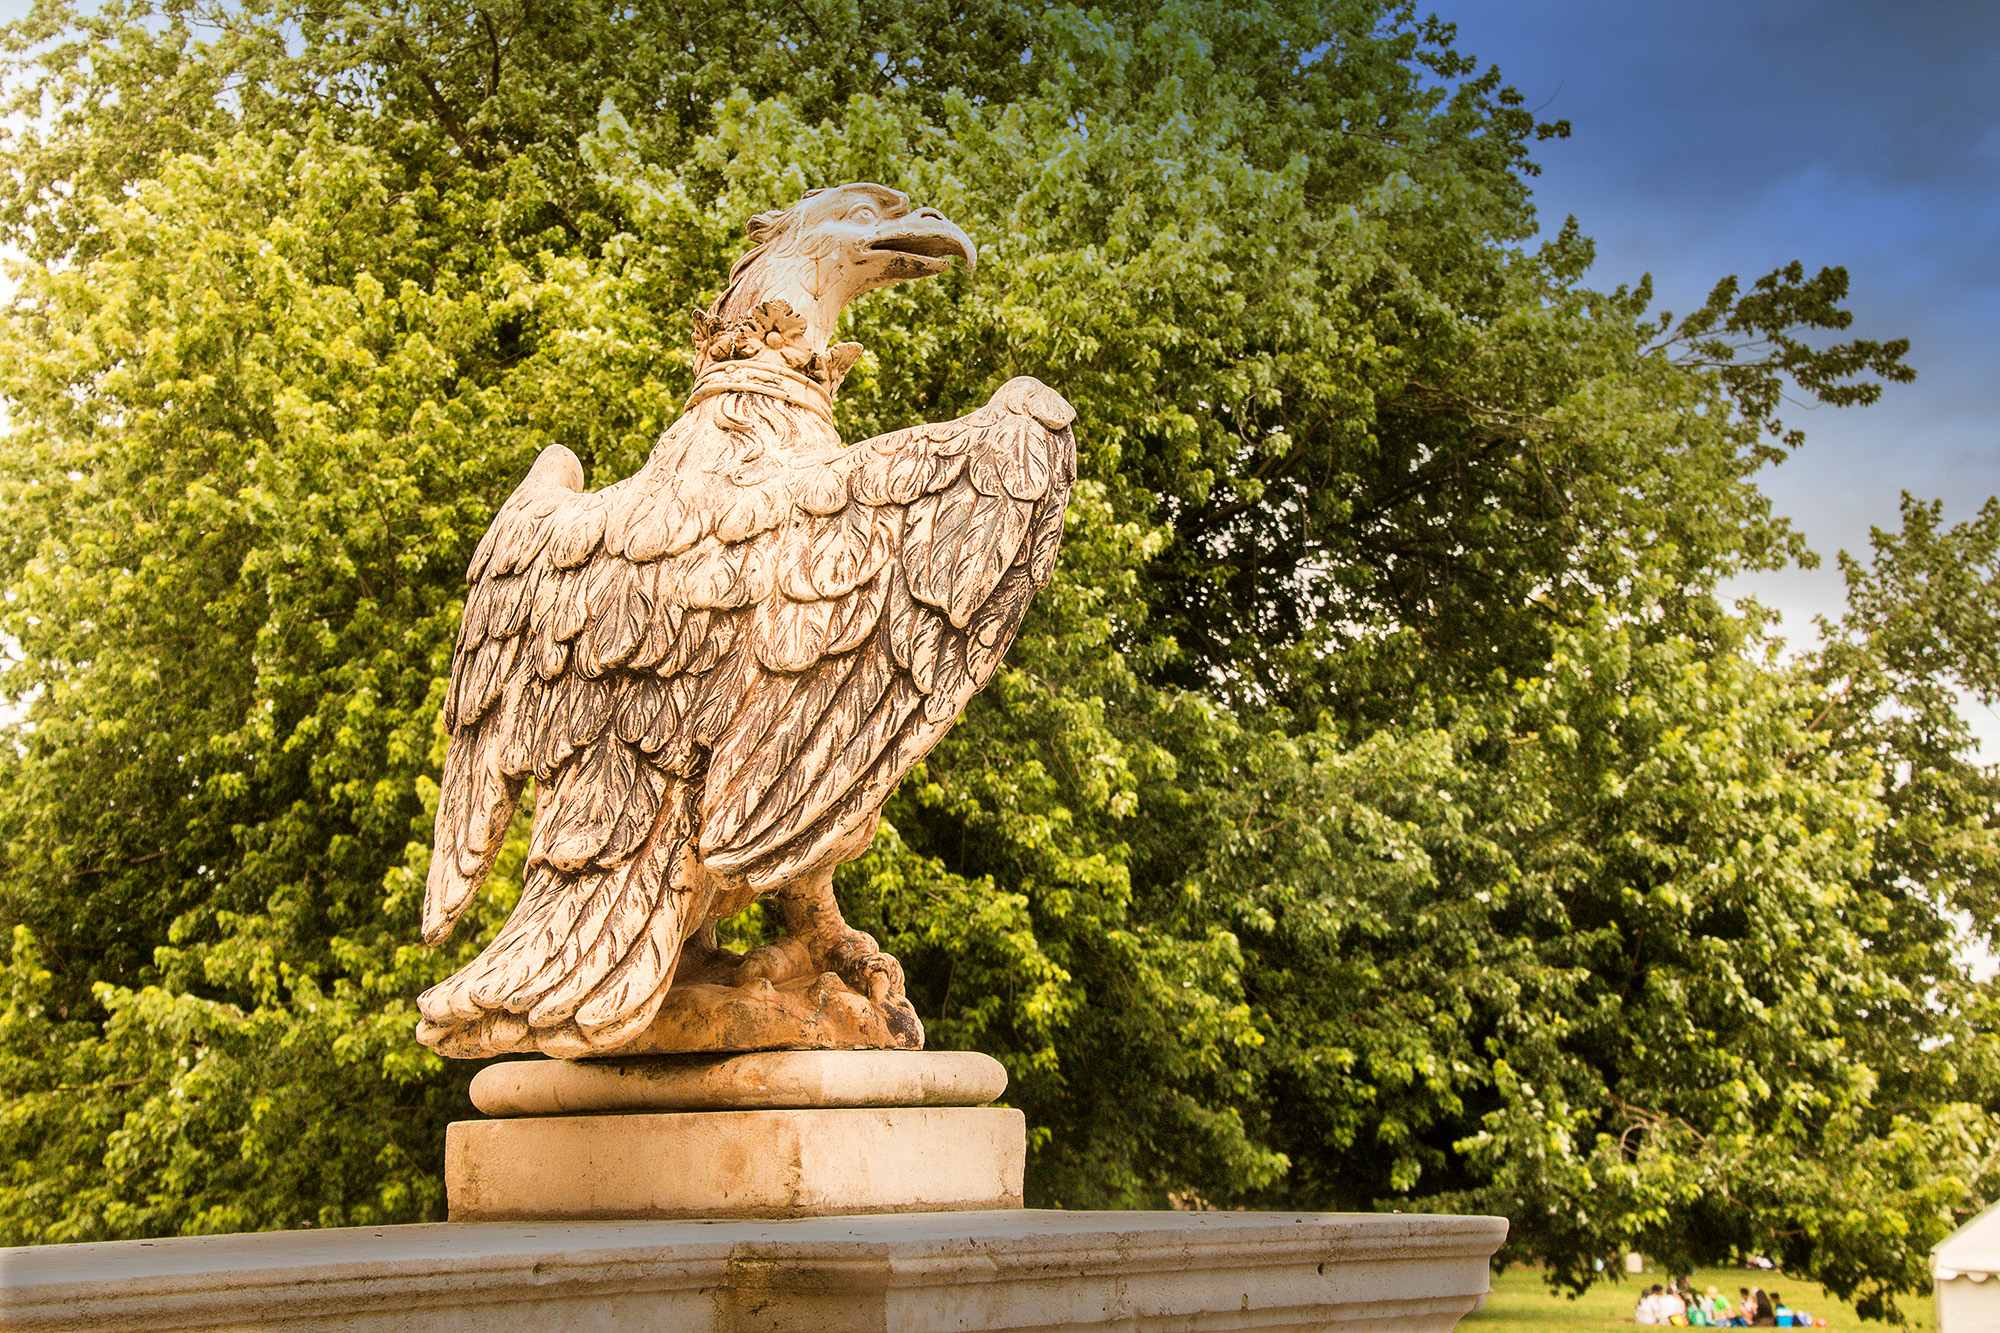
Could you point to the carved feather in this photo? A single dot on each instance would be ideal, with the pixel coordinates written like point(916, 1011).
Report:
point(568, 611)
point(666, 529)
point(643, 711)
point(856, 618)
point(522, 712)
point(716, 644)
point(472, 621)
point(576, 535)
point(521, 540)
point(513, 600)
point(790, 636)
point(482, 554)
point(746, 514)
point(708, 573)
point(620, 613)
point(821, 491)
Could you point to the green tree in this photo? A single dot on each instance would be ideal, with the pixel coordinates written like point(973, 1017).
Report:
point(1381, 785)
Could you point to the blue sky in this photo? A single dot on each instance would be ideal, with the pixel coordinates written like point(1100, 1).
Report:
point(1714, 138)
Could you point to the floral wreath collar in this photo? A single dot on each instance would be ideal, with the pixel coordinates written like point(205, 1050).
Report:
point(766, 352)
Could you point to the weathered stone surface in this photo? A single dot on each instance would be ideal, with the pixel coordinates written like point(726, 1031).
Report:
point(767, 1080)
point(736, 1163)
point(914, 1273)
point(717, 669)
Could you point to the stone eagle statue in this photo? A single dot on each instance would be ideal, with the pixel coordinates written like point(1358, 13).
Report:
point(716, 670)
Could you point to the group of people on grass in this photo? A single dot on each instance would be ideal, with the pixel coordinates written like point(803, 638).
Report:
point(1679, 1304)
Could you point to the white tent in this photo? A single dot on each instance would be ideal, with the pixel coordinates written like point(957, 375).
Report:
point(1965, 1268)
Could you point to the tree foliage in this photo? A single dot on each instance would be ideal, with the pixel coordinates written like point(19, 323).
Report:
point(1382, 787)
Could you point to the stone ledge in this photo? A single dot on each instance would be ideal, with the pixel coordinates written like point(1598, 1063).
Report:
point(911, 1273)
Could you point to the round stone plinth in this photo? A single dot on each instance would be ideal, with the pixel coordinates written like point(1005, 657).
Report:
point(761, 1080)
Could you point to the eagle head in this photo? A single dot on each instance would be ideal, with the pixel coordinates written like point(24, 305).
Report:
point(833, 245)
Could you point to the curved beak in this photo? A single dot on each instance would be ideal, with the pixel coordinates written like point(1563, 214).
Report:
point(928, 238)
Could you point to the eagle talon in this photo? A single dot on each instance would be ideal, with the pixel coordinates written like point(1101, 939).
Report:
point(865, 968)
point(852, 959)
point(775, 964)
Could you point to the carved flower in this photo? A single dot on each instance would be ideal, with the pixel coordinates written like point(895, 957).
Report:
point(775, 326)
point(771, 326)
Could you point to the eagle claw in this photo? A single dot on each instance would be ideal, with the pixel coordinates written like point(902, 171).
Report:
point(860, 963)
point(851, 955)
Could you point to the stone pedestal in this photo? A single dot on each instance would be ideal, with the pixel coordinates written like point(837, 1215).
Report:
point(771, 1134)
point(736, 1163)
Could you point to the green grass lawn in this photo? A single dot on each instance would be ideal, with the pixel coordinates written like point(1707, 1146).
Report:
point(1520, 1303)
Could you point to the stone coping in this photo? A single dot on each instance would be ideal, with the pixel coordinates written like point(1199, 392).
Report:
point(1012, 1269)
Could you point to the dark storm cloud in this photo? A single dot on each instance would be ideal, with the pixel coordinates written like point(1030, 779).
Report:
point(1735, 135)
point(1725, 94)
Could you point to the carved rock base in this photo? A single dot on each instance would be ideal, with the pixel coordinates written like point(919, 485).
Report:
point(814, 1013)
point(761, 1081)
point(810, 1014)
point(736, 1164)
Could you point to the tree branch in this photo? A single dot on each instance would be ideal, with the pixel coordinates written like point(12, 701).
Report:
point(465, 143)
point(492, 36)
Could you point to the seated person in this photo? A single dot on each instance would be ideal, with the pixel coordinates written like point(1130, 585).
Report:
point(1648, 1310)
point(1673, 1308)
point(1764, 1313)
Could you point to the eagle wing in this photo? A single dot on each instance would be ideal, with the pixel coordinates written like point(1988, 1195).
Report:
point(729, 661)
point(863, 662)
point(591, 634)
